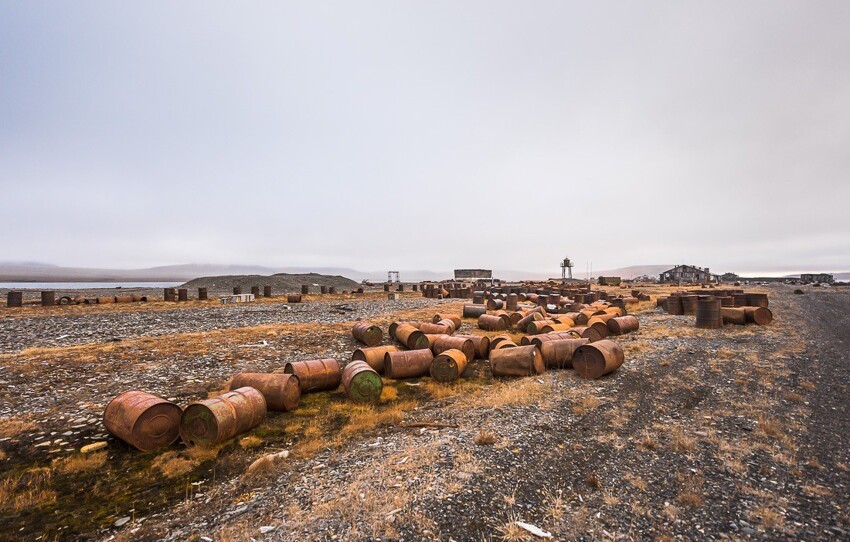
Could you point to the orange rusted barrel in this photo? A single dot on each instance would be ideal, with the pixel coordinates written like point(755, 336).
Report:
point(758, 315)
point(708, 314)
point(315, 374)
point(538, 340)
point(533, 316)
point(293, 298)
point(600, 327)
point(140, 298)
point(436, 329)
point(488, 322)
point(411, 337)
point(537, 326)
point(450, 323)
point(757, 300)
point(408, 364)
point(123, 299)
point(551, 328)
point(455, 319)
point(361, 382)
point(518, 361)
point(558, 354)
point(474, 311)
point(203, 294)
point(623, 324)
point(481, 343)
point(105, 300)
point(597, 359)
point(215, 420)
point(495, 304)
point(48, 298)
point(500, 339)
point(144, 421)
point(586, 332)
point(447, 342)
point(432, 339)
point(733, 315)
point(282, 392)
point(368, 334)
point(511, 302)
point(183, 294)
point(374, 356)
point(449, 365)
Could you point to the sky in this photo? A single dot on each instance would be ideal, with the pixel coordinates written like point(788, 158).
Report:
point(426, 135)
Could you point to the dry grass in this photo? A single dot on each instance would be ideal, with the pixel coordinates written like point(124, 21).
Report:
point(27, 491)
point(586, 404)
point(80, 463)
point(690, 499)
point(808, 385)
point(681, 442)
point(768, 518)
point(593, 481)
point(814, 490)
point(555, 503)
point(12, 427)
point(172, 465)
point(509, 531)
point(250, 442)
point(647, 443)
point(769, 428)
point(518, 391)
point(389, 393)
point(484, 438)
point(794, 398)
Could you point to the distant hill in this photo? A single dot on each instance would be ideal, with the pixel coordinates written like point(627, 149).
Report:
point(37, 272)
point(280, 282)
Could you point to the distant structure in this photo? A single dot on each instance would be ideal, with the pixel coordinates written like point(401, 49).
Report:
point(825, 278)
point(610, 281)
point(392, 276)
point(729, 277)
point(689, 273)
point(566, 269)
point(473, 274)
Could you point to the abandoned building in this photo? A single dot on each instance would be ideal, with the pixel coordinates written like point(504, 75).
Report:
point(825, 278)
point(689, 273)
point(473, 274)
point(610, 281)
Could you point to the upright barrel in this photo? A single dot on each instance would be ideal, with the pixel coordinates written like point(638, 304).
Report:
point(169, 294)
point(267, 291)
point(144, 421)
point(449, 365)
point(674, 305)
point(518, 361)
point(315, 374)
point(305, 289)
point(203, 294)
point(361, 382)
point(708, 314)
point(48, 298)
point(221, 418)
point(374, 356)
point(757, 300)
point(282, 392)
point(596, 359)
point(368, 334)
point(689, 304)
point(183, 294)
point(237, 290)
point(408, 363)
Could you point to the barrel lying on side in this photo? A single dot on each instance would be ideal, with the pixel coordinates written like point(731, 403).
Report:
point(315, 374)
point(481, 343)
point(599, 358)
point(215, 420)
point(523, 323)
point(456, 321)
point(282, 392)
point(733, 315)
point(368, 334)
point(445, 327)
point(623, 324)
point(758, 315)
point(558, 354)
point(408, 364)
point(144, 421)
point(488, 322)
point(293, 298)
point(361, 382)
point(374, 356)
point(411, 337)
point(449, 365)
point(474, 311)
point(447, 342)
point(518, 361)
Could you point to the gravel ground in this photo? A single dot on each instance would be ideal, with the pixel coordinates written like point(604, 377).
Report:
point(18, 333)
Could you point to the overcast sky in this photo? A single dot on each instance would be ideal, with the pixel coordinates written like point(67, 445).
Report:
point(426, 135)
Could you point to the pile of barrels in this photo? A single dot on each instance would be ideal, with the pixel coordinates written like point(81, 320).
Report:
point(717, 308)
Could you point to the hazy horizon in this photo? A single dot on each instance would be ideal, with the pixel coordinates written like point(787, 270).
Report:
point(433, 136)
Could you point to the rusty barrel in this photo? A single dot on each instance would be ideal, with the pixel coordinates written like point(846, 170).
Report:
point(689, 304)
point(558, 354)
point(488, 322)
point(282, 392)
point(495, 304)
point(587, 332)
point(534, 327)
point(474, 311)
point(538, 340)
point(323, 290)
point(733, 315)
point(218, 419)
point(415, 287)
point(522, 325)
point(596, 359)
point(501, 341)
point(437, 329)
point(124, 298)
point(726, 301)
point(144, 421)
point(361, 382)
point(169, 294)
point(449, 365)
point(448, 342)
point(368, 334)
point(203, 294)
point(481, 343)
point(315, 374)
point(739, 300)
point(138, 298)
point(757, 300)
point(600, 327)
point(674, 305)
point(518, 361)
point(331, 289)
point(386, 287)
point(237, 290)
point(105, 300)
point(623, 324)
point(455, 319)
point(183, 294)
point(305, 289)
point(708, 314)
point(408, 363)
point(394, 326)
point(411, 337)
point(758, 315)
point(512, 302)
point(66, 300)
point(267, 291)
point(48, 298)
point(15, 299)
point(373, 356)
point(660, 301)
point(293, 298)
point(432, 338)
point(255, 291)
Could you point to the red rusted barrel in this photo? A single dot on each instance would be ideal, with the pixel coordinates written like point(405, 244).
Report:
point(726, 301)
point(518, 361)
point(623, 324)
point(449, 365)
point(436, 329)
point(415, 287)
point(739, 299)
point(48, 298)
point(733, 315)
point(218, 419)
point(432, 339)
point(488, 322)
point(255, 291)
point(202, 294)
point(305, 289)
point(315, 374)
point(15, 299)
point(293, 298)
point(558, 354)
point(123, 299)
point(659, 301)
point(674, 305)
point(474, 311)
point(456, 321)
point(757, 300)
point(596, 359)
point(495, 304)
point(447, 342)
point(586, 332)
point(169, 294)
point(282, 392)
point(267, 291)
point(501, 341)
point(758, 315)
point(183, 294)
point(394, 326)
point(512, 302)
point(411, 337)
point(144, 421)
point(708, 314)
point(374, 356)
point(332, 289)
point(407, 364)
point(534, 327)
point(105, 300)
point(237, 290)
point(362, 383)
point(538, 340)
point(481, 343)
point(368, 334)
point(689, 304)
point(600, 327)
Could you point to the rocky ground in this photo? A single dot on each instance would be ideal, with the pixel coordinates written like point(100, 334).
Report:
point(703, 434)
